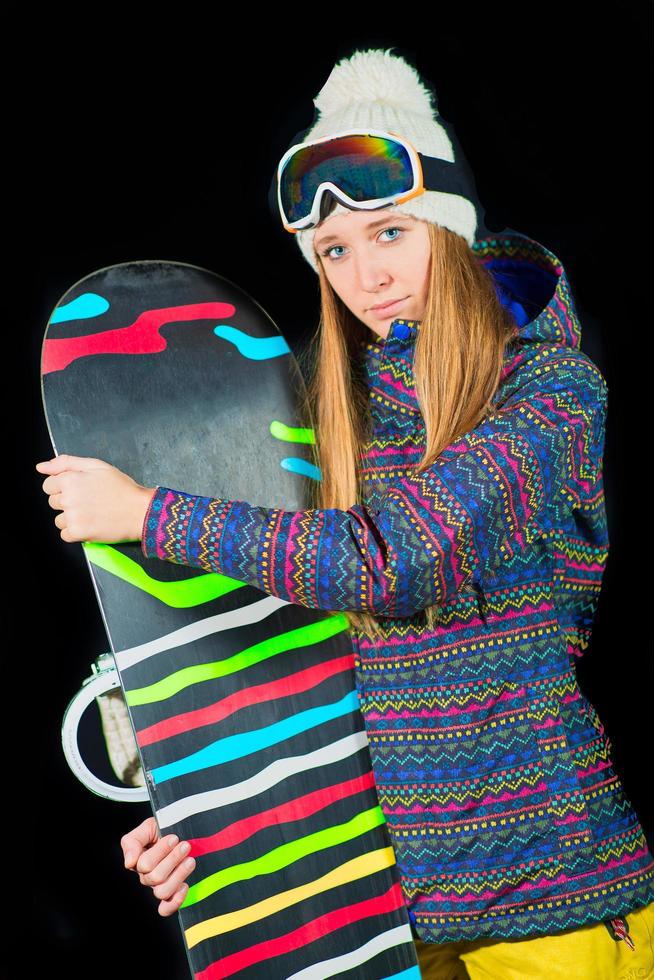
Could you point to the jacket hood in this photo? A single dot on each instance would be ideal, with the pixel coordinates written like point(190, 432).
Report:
point(530, 281)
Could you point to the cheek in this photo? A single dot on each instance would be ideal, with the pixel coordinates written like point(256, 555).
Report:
point(422, 266)
point(339, 280)
point(415, 270)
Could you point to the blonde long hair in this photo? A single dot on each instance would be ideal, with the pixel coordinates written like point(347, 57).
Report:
point(456, 367)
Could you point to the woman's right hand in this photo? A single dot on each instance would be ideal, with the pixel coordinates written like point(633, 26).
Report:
point(160, 862)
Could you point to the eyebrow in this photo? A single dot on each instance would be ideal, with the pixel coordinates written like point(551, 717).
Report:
point(335, 238)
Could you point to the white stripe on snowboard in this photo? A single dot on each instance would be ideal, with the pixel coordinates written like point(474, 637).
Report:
point(242, 616)
point(348, 961)
point(275, 773)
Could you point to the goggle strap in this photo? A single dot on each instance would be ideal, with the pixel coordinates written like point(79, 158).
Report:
point(444, 175)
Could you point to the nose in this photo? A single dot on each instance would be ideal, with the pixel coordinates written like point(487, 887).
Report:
point(371, 275)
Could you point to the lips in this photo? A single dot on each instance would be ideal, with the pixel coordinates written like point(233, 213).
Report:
point(388, 310)
point(391, 302)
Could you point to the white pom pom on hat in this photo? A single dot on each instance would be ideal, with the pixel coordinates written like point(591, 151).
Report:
point(379, 90)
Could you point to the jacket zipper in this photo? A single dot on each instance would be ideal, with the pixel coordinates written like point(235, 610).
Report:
point(619, 929)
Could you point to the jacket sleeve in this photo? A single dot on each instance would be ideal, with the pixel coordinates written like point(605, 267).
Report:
point(487, 497)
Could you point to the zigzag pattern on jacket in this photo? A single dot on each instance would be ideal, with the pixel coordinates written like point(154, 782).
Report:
point(492, 768)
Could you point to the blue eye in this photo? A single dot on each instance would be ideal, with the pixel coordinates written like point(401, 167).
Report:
point(327, 251)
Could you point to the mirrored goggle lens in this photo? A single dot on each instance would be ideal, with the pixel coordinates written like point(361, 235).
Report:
point(364, 167)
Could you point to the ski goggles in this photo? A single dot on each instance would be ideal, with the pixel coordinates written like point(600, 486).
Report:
point(363, 169)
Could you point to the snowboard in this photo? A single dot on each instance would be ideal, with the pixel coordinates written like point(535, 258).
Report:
point(244, 707)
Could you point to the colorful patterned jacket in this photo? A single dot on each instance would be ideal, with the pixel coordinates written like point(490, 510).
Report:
point(493, 769)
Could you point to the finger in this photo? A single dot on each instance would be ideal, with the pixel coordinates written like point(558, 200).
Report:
point(85, 463)
point(52, 484)
point(152, 854)
point(54, 501)
point(60, 521)
point(57, 464)
point(172, 906)
point(135, 842)
point(173, 882)
point(156, 868)
point(67, 462)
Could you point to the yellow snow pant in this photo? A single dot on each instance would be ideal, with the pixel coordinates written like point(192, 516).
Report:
point(586, 953)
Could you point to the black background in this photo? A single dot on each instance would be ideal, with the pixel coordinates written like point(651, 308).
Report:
point(124, 125)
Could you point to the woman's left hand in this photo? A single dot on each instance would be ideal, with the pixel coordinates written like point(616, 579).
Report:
point(98, 502)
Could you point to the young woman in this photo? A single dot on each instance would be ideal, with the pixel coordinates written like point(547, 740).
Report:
point(460, 524)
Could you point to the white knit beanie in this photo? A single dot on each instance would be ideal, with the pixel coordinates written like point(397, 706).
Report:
point(379, 90)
